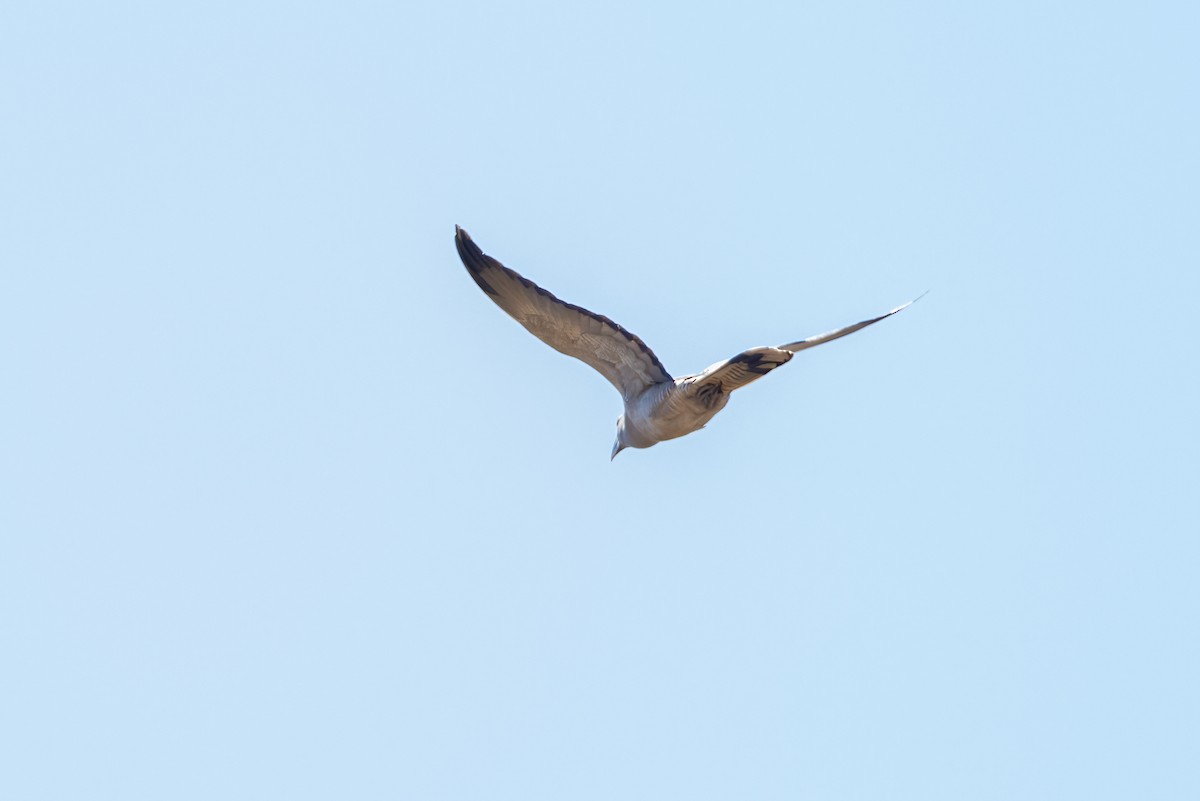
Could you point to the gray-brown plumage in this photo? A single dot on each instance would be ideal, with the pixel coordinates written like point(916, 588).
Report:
point(657, 406)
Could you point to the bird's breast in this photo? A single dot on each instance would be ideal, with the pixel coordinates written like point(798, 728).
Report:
point(669, 411)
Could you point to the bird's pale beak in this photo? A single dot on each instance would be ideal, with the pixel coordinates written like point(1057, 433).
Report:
point(617, 448)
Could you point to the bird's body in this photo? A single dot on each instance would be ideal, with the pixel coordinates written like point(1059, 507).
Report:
point(658, 407)
point(667, 411)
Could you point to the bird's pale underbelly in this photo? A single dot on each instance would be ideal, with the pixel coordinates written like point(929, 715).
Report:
point(675, 413)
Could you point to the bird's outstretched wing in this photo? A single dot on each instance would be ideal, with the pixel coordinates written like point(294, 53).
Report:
point(621, 357)
point(739, 371)
point(753, 364)
point(829, 336)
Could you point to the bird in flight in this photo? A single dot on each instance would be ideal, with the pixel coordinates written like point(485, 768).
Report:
point(657, 406)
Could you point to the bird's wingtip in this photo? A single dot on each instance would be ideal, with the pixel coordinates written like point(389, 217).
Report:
point(906, 305)
point(466, 245)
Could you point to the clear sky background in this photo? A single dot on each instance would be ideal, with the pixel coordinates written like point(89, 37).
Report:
point(290, 510)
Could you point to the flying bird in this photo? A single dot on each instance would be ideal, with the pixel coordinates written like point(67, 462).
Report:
point(657, 406)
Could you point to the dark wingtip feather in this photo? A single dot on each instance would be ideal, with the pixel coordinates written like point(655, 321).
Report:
point(465, 243)
point(472, 258)
point(468, 251)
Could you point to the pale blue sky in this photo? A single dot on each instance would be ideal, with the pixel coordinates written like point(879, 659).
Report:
point(290, 510)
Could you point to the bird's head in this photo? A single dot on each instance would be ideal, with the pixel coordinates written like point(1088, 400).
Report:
point(621, 444)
